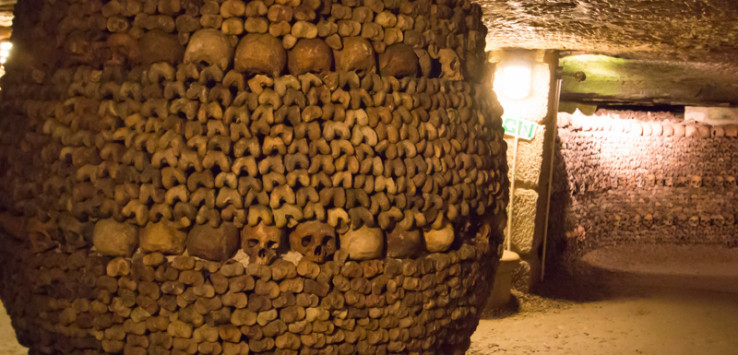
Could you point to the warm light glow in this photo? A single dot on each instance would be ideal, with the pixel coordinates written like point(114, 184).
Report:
point(513, 81)
point(5, 48)
point(523, 87)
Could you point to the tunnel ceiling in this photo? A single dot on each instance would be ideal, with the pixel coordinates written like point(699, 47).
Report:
point(701, 30)
point(690, 34)
point(696, 30)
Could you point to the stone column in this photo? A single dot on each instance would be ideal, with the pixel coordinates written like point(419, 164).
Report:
point(533, 159)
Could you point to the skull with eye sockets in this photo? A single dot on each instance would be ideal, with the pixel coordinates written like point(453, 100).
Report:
point(262, 242)
point(314, 240)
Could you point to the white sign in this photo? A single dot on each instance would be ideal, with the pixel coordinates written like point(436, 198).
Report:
point(714, 116)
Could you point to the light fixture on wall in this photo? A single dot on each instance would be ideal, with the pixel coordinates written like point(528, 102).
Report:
point(5, 48)
point(513, 80)
point(522, 82)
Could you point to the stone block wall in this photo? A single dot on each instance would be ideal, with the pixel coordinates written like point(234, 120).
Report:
point(637, 177)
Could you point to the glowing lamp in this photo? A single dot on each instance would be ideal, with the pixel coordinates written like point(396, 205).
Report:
point(513, 81)
point(5, 48)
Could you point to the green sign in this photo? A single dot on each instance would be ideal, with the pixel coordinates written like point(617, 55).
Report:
point(521, 128)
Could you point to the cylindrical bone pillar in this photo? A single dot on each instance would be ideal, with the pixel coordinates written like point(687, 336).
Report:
point(226, 177)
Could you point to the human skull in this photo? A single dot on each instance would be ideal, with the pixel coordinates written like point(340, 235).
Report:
point(640, 181)
point(438, 240)
point(669, 220)
point(157, 46)
point(682, 219)
point(314, 240)
point(484, 232)
point(616, 220)
point(209, 46)
point(398, 60)
point(123, 48)
point(694, 221)
point(309, 55)
point(695, 181)
point(669, 181)
point(214, 244)
point(42, 235)
point(78, 46)
point(682, 181)
point(650, 180)
point(730, 181)
point(450, 64)
point(262, 243)
point(705, 220)
point(76, 234)
point(719, 181)
point(718, 220)
point(260, 54)
point(708, 181)
point(403, 243)
point(364, 243)
point(659, 180)
point(648, 220)
point(636, 220)
point(357, 55)
point(679, 130)
point(729, 219)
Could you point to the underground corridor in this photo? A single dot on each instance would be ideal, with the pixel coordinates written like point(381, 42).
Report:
point(368, 177)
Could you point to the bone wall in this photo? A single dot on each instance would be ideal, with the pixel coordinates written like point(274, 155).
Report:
point(152, 151)
point(84, 302)
point(632, 177)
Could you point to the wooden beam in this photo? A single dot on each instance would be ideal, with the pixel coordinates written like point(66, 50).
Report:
point(643, 82)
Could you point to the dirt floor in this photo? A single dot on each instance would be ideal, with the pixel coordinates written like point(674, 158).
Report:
point(636, 300)
point(664, 322)
point(8, 343)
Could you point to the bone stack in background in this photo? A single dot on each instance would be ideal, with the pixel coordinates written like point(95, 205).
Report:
point(229, 177)
point(635, 177)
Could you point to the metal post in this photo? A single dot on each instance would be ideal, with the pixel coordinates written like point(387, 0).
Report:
point(550, 175)
point(512, 194)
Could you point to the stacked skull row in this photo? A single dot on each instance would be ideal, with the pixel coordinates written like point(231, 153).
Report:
point(662, 218)
point(151, 304)
point(647, 128)
point(260, 33)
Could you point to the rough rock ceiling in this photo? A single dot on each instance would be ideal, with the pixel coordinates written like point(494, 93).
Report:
point(701, 30)
point(698, 30)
